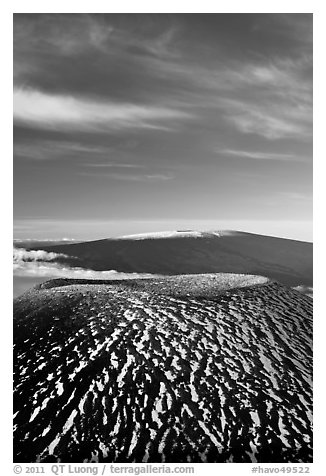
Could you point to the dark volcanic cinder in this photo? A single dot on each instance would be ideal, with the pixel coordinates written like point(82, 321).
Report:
point(163, 370)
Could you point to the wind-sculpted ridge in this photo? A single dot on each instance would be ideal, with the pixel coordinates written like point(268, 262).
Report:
point(119, 374)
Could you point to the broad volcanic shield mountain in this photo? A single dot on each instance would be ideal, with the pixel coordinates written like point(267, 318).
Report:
point(212, 367)
point(193, 252)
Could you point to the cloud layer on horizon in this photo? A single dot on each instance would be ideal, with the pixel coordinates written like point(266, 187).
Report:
point(40, 263)
point(23, 255)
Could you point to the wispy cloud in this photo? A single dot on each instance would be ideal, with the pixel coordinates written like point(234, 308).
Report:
point(270, 120)
point(64, 112)
point(64, 34)
point(84, 155)
point(173, 87)
point(266, 95)
point(256, 155)
point(109, 165)
point(277, 102)
point(270, 97)
point(155, 177)
point(51, 150)
point(297, 196)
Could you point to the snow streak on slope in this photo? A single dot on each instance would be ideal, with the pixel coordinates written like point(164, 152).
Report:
point(109, 373)
point(177, 234)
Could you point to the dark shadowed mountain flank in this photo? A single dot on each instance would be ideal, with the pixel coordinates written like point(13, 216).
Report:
point(163, 371)
point(192, 252)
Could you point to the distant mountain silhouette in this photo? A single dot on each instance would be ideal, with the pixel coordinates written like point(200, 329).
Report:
point(193, 252)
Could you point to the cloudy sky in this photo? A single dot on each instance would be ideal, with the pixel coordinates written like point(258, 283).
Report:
point(133, 123)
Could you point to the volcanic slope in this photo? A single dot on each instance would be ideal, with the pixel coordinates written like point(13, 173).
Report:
point(148, 371)
point(193, 252)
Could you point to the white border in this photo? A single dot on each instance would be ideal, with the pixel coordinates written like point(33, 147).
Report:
point(185, 6)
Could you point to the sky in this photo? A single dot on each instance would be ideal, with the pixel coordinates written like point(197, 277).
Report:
point(128, 123)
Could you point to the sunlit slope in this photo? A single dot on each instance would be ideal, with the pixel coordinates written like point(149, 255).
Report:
point(287, 261)
point(134, 373)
